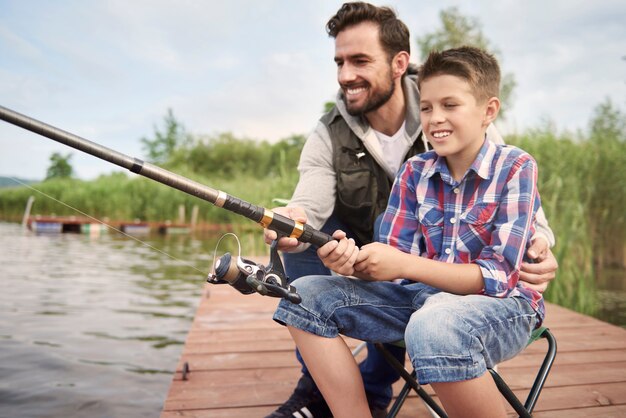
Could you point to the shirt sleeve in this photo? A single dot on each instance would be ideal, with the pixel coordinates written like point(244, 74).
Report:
point(400, 225)
point(542, 229)
point(315, 191)
point(500, 260)
point(316, 188)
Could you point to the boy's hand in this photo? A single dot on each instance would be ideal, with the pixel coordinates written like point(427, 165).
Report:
point(285, 243)
point(538, 275)
point(380, 262)
point(339, 256)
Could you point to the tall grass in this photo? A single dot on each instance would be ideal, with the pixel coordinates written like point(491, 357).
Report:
point(582, 183)
point(121, 197)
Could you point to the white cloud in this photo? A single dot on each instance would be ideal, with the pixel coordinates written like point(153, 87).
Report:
point(109, 70)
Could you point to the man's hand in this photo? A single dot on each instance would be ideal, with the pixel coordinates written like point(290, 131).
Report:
point(538, 275)
point(380, 262)
point(339, 254)
point(285, 243)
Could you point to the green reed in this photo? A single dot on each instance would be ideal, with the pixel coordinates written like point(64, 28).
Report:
point(581, 183)
point(124, 197)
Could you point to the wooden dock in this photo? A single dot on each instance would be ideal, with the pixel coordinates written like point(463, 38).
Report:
point(89, 226)
point(242, 364)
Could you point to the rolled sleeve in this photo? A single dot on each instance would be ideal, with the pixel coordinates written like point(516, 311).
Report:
point(500, 260)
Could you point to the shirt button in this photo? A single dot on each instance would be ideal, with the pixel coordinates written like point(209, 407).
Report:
point(452, 220)
point(448, 251)
point(456, 190)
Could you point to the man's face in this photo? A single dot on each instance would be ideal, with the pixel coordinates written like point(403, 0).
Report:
point(363, 69)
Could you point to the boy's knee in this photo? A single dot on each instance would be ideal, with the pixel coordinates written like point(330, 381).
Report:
point(320, 293)
point(437, 330)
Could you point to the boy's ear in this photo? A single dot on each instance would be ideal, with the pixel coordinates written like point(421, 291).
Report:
point(399, 64)
point(491, 112)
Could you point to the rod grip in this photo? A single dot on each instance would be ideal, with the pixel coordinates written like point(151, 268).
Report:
point(291, 228)
point(315, 237)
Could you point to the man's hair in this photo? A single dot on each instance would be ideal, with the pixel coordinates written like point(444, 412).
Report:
point(479, 68)
point(393, 33)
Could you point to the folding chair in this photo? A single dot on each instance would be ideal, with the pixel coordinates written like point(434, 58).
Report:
point(524, 410)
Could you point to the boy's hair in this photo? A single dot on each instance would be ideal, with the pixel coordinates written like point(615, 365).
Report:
point(479, 68)
point(393, 33)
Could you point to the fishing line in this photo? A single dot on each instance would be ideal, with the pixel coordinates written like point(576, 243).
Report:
point(217, 246)
point(186, 264)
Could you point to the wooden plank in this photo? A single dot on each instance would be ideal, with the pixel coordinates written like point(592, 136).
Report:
point(242, 364)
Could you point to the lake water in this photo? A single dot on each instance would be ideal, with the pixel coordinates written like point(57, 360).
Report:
point(94, 327)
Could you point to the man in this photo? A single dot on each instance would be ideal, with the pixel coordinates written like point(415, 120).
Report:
point(349, 162)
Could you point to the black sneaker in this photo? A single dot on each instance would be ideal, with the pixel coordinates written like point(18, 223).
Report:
point(305, 401)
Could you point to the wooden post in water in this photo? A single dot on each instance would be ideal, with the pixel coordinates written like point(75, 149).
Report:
point(29, 206)
point(181, 214)
point(194, 216)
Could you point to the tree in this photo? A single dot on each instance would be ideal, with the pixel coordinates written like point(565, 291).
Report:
point(608, 122)
point(60, 166)
point(161, 148)
point(458, 30)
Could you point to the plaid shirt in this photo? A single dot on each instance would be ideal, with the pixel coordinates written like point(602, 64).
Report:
point(486, 218)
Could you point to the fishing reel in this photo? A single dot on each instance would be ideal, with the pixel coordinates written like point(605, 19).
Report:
point(248, 277)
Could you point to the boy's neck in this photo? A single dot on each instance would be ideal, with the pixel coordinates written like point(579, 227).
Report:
point(458, 164)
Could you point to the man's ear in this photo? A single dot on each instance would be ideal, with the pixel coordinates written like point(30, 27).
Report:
point(399, 64)
point(492, 110)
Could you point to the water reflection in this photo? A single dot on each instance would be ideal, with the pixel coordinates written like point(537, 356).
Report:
point(94, 326)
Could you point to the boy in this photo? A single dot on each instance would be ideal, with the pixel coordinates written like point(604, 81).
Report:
point(457, 225)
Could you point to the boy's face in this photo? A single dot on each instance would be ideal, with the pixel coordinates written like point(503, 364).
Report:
point(363, 69)
point(453, 121)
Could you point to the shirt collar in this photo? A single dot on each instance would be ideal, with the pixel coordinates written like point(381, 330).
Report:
point(481, 165)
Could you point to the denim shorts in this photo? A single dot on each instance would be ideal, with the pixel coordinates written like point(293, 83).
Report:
point(449, 338)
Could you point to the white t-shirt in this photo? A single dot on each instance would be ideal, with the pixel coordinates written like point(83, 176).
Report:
point(393, 148)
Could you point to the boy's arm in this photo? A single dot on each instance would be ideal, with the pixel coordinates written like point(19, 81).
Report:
point(496, 271)
point(538, 274)
point(501, 259)
point(382, 262)
point(401, 259)
point(542, 229)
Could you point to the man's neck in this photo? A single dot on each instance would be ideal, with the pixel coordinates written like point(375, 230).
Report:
point(389, 118)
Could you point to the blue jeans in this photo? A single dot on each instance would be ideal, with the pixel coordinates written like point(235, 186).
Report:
point(377, 375)
point(449, 338)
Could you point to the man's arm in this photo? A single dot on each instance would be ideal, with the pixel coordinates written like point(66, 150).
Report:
point(316, 188)
point(313, 200)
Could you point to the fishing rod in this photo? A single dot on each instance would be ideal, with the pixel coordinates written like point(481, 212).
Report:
point(244, 275)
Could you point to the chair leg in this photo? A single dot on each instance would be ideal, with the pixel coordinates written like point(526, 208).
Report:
point(526, 410)
point(546, 365)
point(509, 395)
point(411, 382)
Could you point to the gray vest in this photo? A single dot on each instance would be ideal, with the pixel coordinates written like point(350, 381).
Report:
point(363, 188)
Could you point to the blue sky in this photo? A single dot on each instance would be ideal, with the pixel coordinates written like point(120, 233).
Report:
point(108, 70)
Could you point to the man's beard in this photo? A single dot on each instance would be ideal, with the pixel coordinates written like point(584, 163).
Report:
point(373, 103)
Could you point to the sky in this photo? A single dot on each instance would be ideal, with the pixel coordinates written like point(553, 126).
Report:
point(108, 70)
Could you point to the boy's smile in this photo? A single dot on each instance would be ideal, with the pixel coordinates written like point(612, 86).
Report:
point(453, 120)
